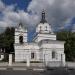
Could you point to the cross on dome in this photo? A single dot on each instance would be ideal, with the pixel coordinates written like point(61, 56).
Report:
point(43, 20)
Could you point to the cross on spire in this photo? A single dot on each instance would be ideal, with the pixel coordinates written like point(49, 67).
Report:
point(43, 15)
point(20, 24)
point(43, 20)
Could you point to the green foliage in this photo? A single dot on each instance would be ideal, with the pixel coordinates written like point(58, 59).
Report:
point(7, 39)
point(69, 39)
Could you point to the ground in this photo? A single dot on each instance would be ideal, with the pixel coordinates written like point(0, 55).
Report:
point(58, 71)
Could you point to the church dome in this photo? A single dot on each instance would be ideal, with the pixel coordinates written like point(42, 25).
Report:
point(43, 26)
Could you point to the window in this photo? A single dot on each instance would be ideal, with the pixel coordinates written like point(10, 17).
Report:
point(21, 39)
point(32, 55)
point(53, 54)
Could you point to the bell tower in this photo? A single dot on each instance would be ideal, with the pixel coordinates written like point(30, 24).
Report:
point(20, 34)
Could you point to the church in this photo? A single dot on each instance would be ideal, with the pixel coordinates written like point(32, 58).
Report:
point(44, 46)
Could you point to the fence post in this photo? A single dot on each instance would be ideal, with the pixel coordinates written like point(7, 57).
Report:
point(63, 60)
point(28, 61)
point(10, 59)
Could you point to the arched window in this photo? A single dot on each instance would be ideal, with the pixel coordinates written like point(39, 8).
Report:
point(53, 54)
point(21, 39)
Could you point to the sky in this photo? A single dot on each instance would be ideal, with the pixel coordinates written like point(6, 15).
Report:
point(59, 13)
point(21, 4)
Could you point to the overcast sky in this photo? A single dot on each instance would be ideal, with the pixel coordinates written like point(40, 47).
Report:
point(59, 13)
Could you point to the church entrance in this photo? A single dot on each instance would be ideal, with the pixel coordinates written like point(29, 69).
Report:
point(32, 55)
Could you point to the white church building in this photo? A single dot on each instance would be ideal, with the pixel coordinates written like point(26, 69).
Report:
point(43, 48)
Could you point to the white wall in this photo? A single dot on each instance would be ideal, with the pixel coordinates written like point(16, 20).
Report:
point(43, 28)
point(21, 53)
point(47, 53)
point(54, 46)
point(43, 53)
point(45, 36)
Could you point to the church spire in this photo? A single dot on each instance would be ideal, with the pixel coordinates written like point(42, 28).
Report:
point(43, 20)
point(20, 25)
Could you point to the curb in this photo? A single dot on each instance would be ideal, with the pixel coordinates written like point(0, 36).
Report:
point(19, 69)
point(3, 68)
point(36, 69)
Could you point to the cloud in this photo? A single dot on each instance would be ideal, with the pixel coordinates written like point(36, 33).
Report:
point(2, 6)
point(12, 18)
point(28, 19)
point(8, 17)
point(3, 24)
point(58, 12)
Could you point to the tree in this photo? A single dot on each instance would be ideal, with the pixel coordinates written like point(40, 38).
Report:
point(69, 39)
point(7, 39)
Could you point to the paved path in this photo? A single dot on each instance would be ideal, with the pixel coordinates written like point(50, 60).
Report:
point(22, 66)
point(58, 71)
